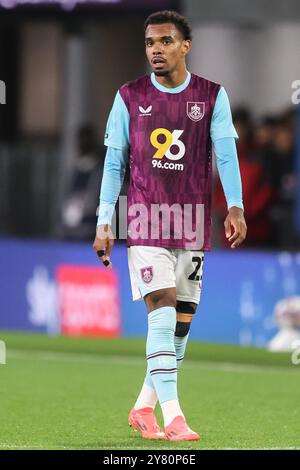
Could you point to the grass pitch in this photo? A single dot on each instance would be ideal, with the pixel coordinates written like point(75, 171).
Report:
point(61, 393)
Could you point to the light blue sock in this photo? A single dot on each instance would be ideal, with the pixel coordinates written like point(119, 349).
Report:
point(161, 355)
point(180, 346)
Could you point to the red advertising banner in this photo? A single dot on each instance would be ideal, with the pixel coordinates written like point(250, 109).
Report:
point(89, 303)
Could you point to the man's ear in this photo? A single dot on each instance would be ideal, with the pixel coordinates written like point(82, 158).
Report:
point(187, 45)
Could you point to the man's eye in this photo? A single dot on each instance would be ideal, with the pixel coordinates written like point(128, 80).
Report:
point(148, 44)
point(167, 41)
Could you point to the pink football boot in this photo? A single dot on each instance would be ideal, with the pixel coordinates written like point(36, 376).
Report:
point(178, 430)
point(143, 420)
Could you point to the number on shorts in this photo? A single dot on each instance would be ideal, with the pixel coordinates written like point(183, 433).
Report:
point(195, 274)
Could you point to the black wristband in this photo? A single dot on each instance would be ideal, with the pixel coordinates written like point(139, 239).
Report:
point(100, 253)
point(106, 262)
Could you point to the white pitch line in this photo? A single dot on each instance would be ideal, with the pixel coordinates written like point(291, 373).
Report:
point(86, 358)
point(23, 446)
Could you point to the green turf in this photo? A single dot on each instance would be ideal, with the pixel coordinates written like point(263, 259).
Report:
point(60, 393)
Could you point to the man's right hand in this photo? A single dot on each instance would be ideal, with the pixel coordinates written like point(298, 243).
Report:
point(103, 243)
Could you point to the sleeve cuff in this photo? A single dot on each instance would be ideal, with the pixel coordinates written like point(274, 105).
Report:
point(235, 204)
point(106, 212)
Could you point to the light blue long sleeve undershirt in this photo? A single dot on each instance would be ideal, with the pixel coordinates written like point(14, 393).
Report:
point(115, 166)
point(112, 180)
point(229, 171)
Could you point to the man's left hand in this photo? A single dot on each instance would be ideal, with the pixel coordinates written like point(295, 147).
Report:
point(236, 220)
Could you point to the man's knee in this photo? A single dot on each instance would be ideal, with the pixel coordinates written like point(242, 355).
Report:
point(161, 298)
point(186, 308)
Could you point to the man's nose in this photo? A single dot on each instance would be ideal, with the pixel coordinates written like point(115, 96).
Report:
point(157, 49)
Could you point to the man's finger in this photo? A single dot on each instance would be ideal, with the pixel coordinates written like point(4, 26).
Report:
point(236, 232)
point(227, 226)
point(240, 238)
point(106, 261)
point(104, 258)
point(110, 244)
point(237, 242)
point(101, 254)
point(234, 236)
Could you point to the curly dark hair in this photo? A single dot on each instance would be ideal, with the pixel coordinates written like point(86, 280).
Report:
point(168, 16)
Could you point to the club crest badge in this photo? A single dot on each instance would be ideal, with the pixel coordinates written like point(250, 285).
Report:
point(195, 110)
point(147, 274)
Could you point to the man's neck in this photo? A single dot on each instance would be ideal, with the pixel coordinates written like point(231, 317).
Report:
point(174, 79)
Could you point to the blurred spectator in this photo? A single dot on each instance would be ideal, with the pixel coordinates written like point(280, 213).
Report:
point(257, 191)
point(243, 123)
point(263, 135)
point(280, 165)
point(79, 209)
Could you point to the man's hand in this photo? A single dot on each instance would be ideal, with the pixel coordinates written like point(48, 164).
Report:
point(235, 219)
point(103, 243)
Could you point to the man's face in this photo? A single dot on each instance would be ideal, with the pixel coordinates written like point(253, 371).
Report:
point(165, 47)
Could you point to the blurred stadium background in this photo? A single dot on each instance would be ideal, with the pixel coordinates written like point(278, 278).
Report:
point(61, 63)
